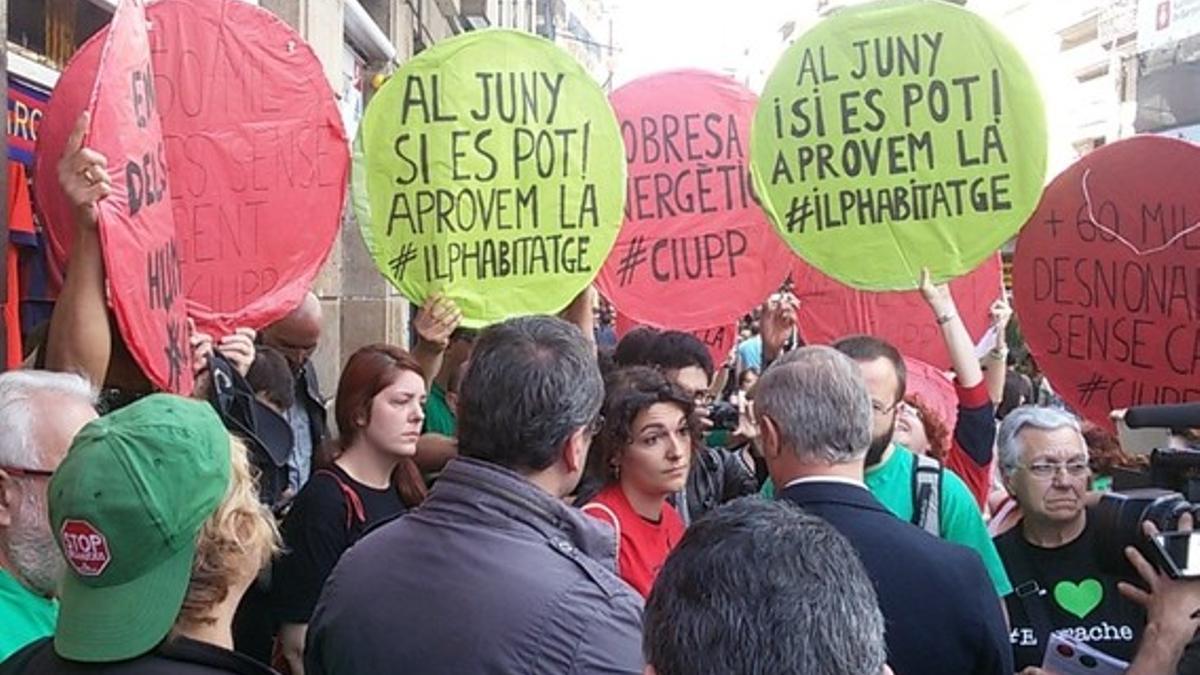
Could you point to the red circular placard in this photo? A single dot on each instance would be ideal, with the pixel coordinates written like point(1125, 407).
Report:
point(695, 249)
point(1106, 278)
point(830, 310)
point(255, 148)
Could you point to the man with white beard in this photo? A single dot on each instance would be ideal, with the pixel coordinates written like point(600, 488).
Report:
point(40, 413)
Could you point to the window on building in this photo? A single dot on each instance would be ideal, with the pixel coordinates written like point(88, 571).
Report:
point(54, 28)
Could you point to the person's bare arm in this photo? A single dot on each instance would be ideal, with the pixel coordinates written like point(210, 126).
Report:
point(778, 323)
point(291, 642)
point(434, 451)
point(434, 323)
point(996, 360)
point(953, 330)
point(80, 338)
point(580, 313)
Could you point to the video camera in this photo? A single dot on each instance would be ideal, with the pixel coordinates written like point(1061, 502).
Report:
point(1161, 493)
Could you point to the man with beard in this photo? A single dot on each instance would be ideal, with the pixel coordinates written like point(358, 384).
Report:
point(40, 413)
point(889, 466)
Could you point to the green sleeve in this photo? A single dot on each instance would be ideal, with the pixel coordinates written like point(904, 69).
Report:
point(438, 417)
point(963, 524)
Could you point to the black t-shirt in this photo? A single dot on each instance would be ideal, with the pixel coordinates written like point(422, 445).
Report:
point(1075, 597)
point(322, 524)
point(175, 655)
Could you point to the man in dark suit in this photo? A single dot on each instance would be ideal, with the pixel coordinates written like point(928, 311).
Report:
point(940, 611)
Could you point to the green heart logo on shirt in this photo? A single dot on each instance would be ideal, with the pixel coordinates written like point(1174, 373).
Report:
point(1079, 599)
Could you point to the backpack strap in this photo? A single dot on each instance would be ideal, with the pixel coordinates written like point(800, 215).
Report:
point(610, 516)
point(355, 513)
point(1029, 592)
point(927, 475)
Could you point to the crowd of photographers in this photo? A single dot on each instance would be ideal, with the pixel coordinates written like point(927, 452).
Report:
point(528, 498)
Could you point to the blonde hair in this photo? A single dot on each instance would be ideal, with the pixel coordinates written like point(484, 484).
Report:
point(237, 541)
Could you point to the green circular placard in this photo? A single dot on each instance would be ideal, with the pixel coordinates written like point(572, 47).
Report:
point(898, 135)
point(490, 168)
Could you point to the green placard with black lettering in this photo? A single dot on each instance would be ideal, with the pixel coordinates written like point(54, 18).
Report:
point(898, 135)
point(490, 168)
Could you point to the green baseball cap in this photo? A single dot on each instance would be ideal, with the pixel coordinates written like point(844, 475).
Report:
point(127, 505)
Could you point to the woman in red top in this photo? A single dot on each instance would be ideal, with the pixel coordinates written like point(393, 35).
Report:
point(642, 454)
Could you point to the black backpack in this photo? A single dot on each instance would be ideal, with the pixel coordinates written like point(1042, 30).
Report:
point(927, 475)
point(267, 434)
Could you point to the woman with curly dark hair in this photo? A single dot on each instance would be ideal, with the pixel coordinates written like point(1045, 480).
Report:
point(642, 454)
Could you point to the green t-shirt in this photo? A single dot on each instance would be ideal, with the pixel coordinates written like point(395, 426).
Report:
point(891, 483)
point(439, 419)
point(24, 616)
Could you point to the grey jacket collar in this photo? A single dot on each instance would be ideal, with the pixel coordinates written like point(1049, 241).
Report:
point(488, 491)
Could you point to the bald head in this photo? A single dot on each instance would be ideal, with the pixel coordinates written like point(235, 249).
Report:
point(296, 335)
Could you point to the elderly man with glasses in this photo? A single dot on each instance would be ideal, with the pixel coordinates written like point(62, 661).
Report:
point(40, 413)
point(1051, 556)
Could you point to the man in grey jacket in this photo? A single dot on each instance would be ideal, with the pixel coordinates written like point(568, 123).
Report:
point(494, 573)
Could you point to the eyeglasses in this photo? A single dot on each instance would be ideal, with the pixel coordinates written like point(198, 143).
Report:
point(1075, 469)
point(910, 409)
point(27, 473)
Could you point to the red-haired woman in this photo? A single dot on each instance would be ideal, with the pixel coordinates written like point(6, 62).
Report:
point(372, 477)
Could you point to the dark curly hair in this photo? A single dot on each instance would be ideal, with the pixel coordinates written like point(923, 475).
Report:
point(627, 393)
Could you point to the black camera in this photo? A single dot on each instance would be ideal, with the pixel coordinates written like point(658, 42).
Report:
point(724, 416)
point(1118, 520)
point(1159, 494)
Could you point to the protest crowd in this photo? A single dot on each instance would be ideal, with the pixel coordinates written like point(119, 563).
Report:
point(730, 436)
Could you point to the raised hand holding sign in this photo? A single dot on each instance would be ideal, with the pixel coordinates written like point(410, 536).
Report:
point(137, 229)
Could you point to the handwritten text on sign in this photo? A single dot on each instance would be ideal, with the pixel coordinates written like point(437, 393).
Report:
point(693, 228)
point(1107, 278)
point(897, 136)
point(477, 176)
point(136, 227)
point(253, 146)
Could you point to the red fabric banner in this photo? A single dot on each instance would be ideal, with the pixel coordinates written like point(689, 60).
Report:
point(720, 340)
point(830, 310)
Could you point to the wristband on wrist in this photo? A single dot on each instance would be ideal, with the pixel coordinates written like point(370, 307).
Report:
point(946, 318)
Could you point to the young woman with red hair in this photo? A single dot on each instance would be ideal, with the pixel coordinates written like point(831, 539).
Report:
point(369, 477)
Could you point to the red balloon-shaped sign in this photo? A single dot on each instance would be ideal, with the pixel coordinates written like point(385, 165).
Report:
point(1106, 278)
point(255, 152)
point(695, 249)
